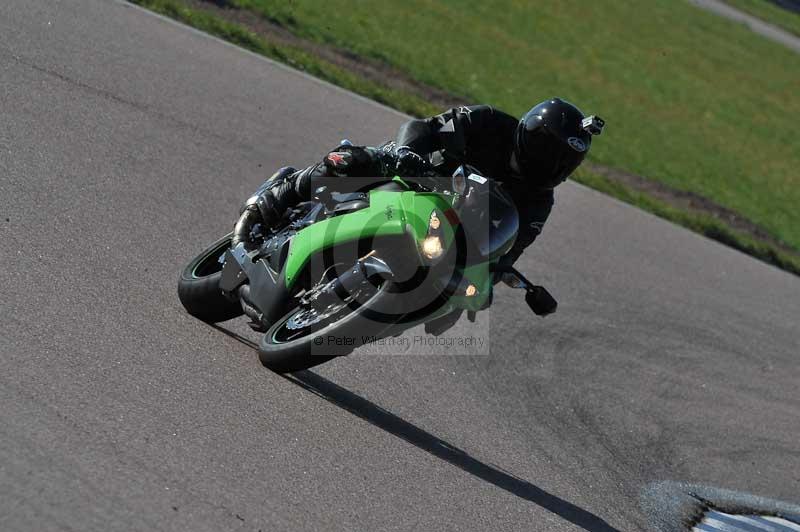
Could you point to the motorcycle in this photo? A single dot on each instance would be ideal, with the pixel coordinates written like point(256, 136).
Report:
point(351, 266)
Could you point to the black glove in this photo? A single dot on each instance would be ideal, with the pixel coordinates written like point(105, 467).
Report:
point(352, 161)
point(410, 164)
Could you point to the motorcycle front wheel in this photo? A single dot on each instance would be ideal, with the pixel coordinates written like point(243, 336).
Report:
point(306, 337)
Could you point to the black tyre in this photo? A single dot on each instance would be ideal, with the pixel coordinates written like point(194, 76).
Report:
point(198, 287)
point(284, 349)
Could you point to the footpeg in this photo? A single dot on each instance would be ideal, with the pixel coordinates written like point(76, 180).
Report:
point(537, 297)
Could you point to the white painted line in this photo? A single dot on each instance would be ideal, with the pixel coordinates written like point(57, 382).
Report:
point(784, 522)
point(724, 522)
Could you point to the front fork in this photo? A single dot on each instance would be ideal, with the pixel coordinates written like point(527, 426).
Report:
point(350, 282)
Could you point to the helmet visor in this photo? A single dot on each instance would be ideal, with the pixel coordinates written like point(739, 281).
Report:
point(548, 159)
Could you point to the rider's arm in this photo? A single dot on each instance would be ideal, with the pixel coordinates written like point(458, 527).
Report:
point(449, 132)
point(531, 221)
point(273, 198)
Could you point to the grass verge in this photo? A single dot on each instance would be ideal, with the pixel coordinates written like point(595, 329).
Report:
point(770, 13)
point(704, 224)
point(692, 100)
point(418, 106)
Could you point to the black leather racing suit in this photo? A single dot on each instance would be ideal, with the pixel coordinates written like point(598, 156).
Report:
point(480, 136)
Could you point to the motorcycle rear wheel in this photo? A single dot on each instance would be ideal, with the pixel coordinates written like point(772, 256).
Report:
point(198, 286)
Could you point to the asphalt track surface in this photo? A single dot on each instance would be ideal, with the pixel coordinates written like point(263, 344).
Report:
point(127, 143)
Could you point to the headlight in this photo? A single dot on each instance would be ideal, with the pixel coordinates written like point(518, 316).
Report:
point(432, 247)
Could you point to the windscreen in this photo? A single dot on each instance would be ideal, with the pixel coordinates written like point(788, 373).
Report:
point(489, 219)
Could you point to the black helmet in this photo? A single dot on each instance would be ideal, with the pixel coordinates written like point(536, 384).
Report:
point(552, 140)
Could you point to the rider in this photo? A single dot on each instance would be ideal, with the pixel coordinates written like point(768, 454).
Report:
point(530, 157)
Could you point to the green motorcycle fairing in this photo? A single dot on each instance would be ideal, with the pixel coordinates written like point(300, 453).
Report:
point(391, 214)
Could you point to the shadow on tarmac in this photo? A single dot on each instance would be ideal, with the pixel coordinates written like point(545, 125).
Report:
point(385, 420)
